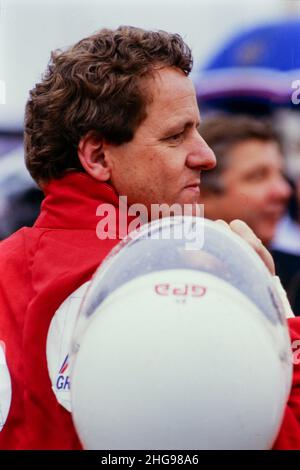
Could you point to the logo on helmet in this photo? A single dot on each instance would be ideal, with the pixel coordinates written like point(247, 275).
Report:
point(63, 380)
point(185, 290)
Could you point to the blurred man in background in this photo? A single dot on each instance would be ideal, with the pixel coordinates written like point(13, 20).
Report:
point(248, 181)
point(286, 248)
point(255, 72)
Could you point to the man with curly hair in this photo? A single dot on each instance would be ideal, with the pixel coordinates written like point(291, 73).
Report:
point(114, 115)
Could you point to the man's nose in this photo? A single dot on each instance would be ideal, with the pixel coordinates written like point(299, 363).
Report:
point(281, 188)
point(200, 154)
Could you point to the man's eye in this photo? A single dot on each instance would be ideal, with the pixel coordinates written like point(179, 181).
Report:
point(176, 137)
point(257, 176)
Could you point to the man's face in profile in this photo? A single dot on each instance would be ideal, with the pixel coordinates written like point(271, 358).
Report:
point(162, 163)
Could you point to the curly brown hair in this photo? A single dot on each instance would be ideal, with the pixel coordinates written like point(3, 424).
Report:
point(95, 86)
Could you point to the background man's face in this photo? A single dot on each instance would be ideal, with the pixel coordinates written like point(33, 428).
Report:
point(162, 163)
point(255, 190)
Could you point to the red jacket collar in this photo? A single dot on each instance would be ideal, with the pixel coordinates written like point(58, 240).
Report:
point(71, 202)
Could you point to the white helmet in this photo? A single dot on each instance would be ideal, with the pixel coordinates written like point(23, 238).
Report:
point(180, 345)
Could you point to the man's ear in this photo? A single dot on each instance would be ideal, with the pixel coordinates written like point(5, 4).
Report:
point(91, 154)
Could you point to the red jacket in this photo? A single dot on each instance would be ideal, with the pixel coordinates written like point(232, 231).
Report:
point(39, 268)
point(289, 434)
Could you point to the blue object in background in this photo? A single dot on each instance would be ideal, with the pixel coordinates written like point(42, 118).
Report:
point(274, 46)
point(255, 68)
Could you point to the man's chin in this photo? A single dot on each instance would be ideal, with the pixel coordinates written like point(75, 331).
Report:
point(176, 209)
point(266, 234)
point(194, 209)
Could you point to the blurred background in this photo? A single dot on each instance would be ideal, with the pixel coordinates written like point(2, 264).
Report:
point(246, 61)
